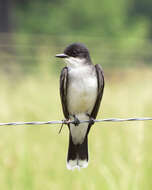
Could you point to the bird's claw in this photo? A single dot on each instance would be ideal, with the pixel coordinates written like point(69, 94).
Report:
point(76, 121)
point(91, 120)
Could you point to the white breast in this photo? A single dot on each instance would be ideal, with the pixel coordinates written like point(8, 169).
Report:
point(82, 89)
point(82, 93)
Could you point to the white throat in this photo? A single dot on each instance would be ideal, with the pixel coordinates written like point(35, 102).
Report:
point(74, 62)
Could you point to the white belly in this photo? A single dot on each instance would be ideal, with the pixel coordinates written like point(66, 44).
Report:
point(81, 96)
point(82, 90)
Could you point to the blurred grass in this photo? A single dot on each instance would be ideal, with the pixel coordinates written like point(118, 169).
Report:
point(34, 158)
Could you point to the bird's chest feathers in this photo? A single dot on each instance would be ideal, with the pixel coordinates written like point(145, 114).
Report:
point(82, 90)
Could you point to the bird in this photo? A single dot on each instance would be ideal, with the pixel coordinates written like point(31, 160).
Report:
point(81, 91)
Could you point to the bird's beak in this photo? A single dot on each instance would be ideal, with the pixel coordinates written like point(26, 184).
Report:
point(61, 55)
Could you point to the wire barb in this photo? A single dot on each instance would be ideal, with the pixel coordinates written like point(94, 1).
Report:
point(69, 121)
point(64, 122)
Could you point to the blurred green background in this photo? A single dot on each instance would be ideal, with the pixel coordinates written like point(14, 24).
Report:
point(119, 37)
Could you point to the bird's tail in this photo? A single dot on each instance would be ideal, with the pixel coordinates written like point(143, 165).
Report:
point(77, 154)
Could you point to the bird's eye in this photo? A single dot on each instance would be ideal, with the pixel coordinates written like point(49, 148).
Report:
point(74, 53)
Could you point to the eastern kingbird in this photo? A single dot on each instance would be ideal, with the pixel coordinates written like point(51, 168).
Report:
point(81, 90)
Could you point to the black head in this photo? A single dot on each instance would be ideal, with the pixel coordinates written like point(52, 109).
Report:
point(76, 50)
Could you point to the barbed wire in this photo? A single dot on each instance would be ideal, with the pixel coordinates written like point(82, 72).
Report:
point(69, 121)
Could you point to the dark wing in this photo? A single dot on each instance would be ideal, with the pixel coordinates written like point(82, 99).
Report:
point(63, 91)
point(100, 80)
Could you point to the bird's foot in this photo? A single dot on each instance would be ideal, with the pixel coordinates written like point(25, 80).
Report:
point(91, 120)
point(76, 121)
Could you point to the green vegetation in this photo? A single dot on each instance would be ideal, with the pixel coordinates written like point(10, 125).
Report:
point(117, 30)
point(118, 35)
point(108, 19)
point(34, 158)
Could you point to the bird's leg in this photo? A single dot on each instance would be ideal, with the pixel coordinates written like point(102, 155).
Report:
point(76, 121)
point(91, 119)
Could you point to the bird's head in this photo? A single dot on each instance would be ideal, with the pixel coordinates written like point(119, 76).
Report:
point(75, 54)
